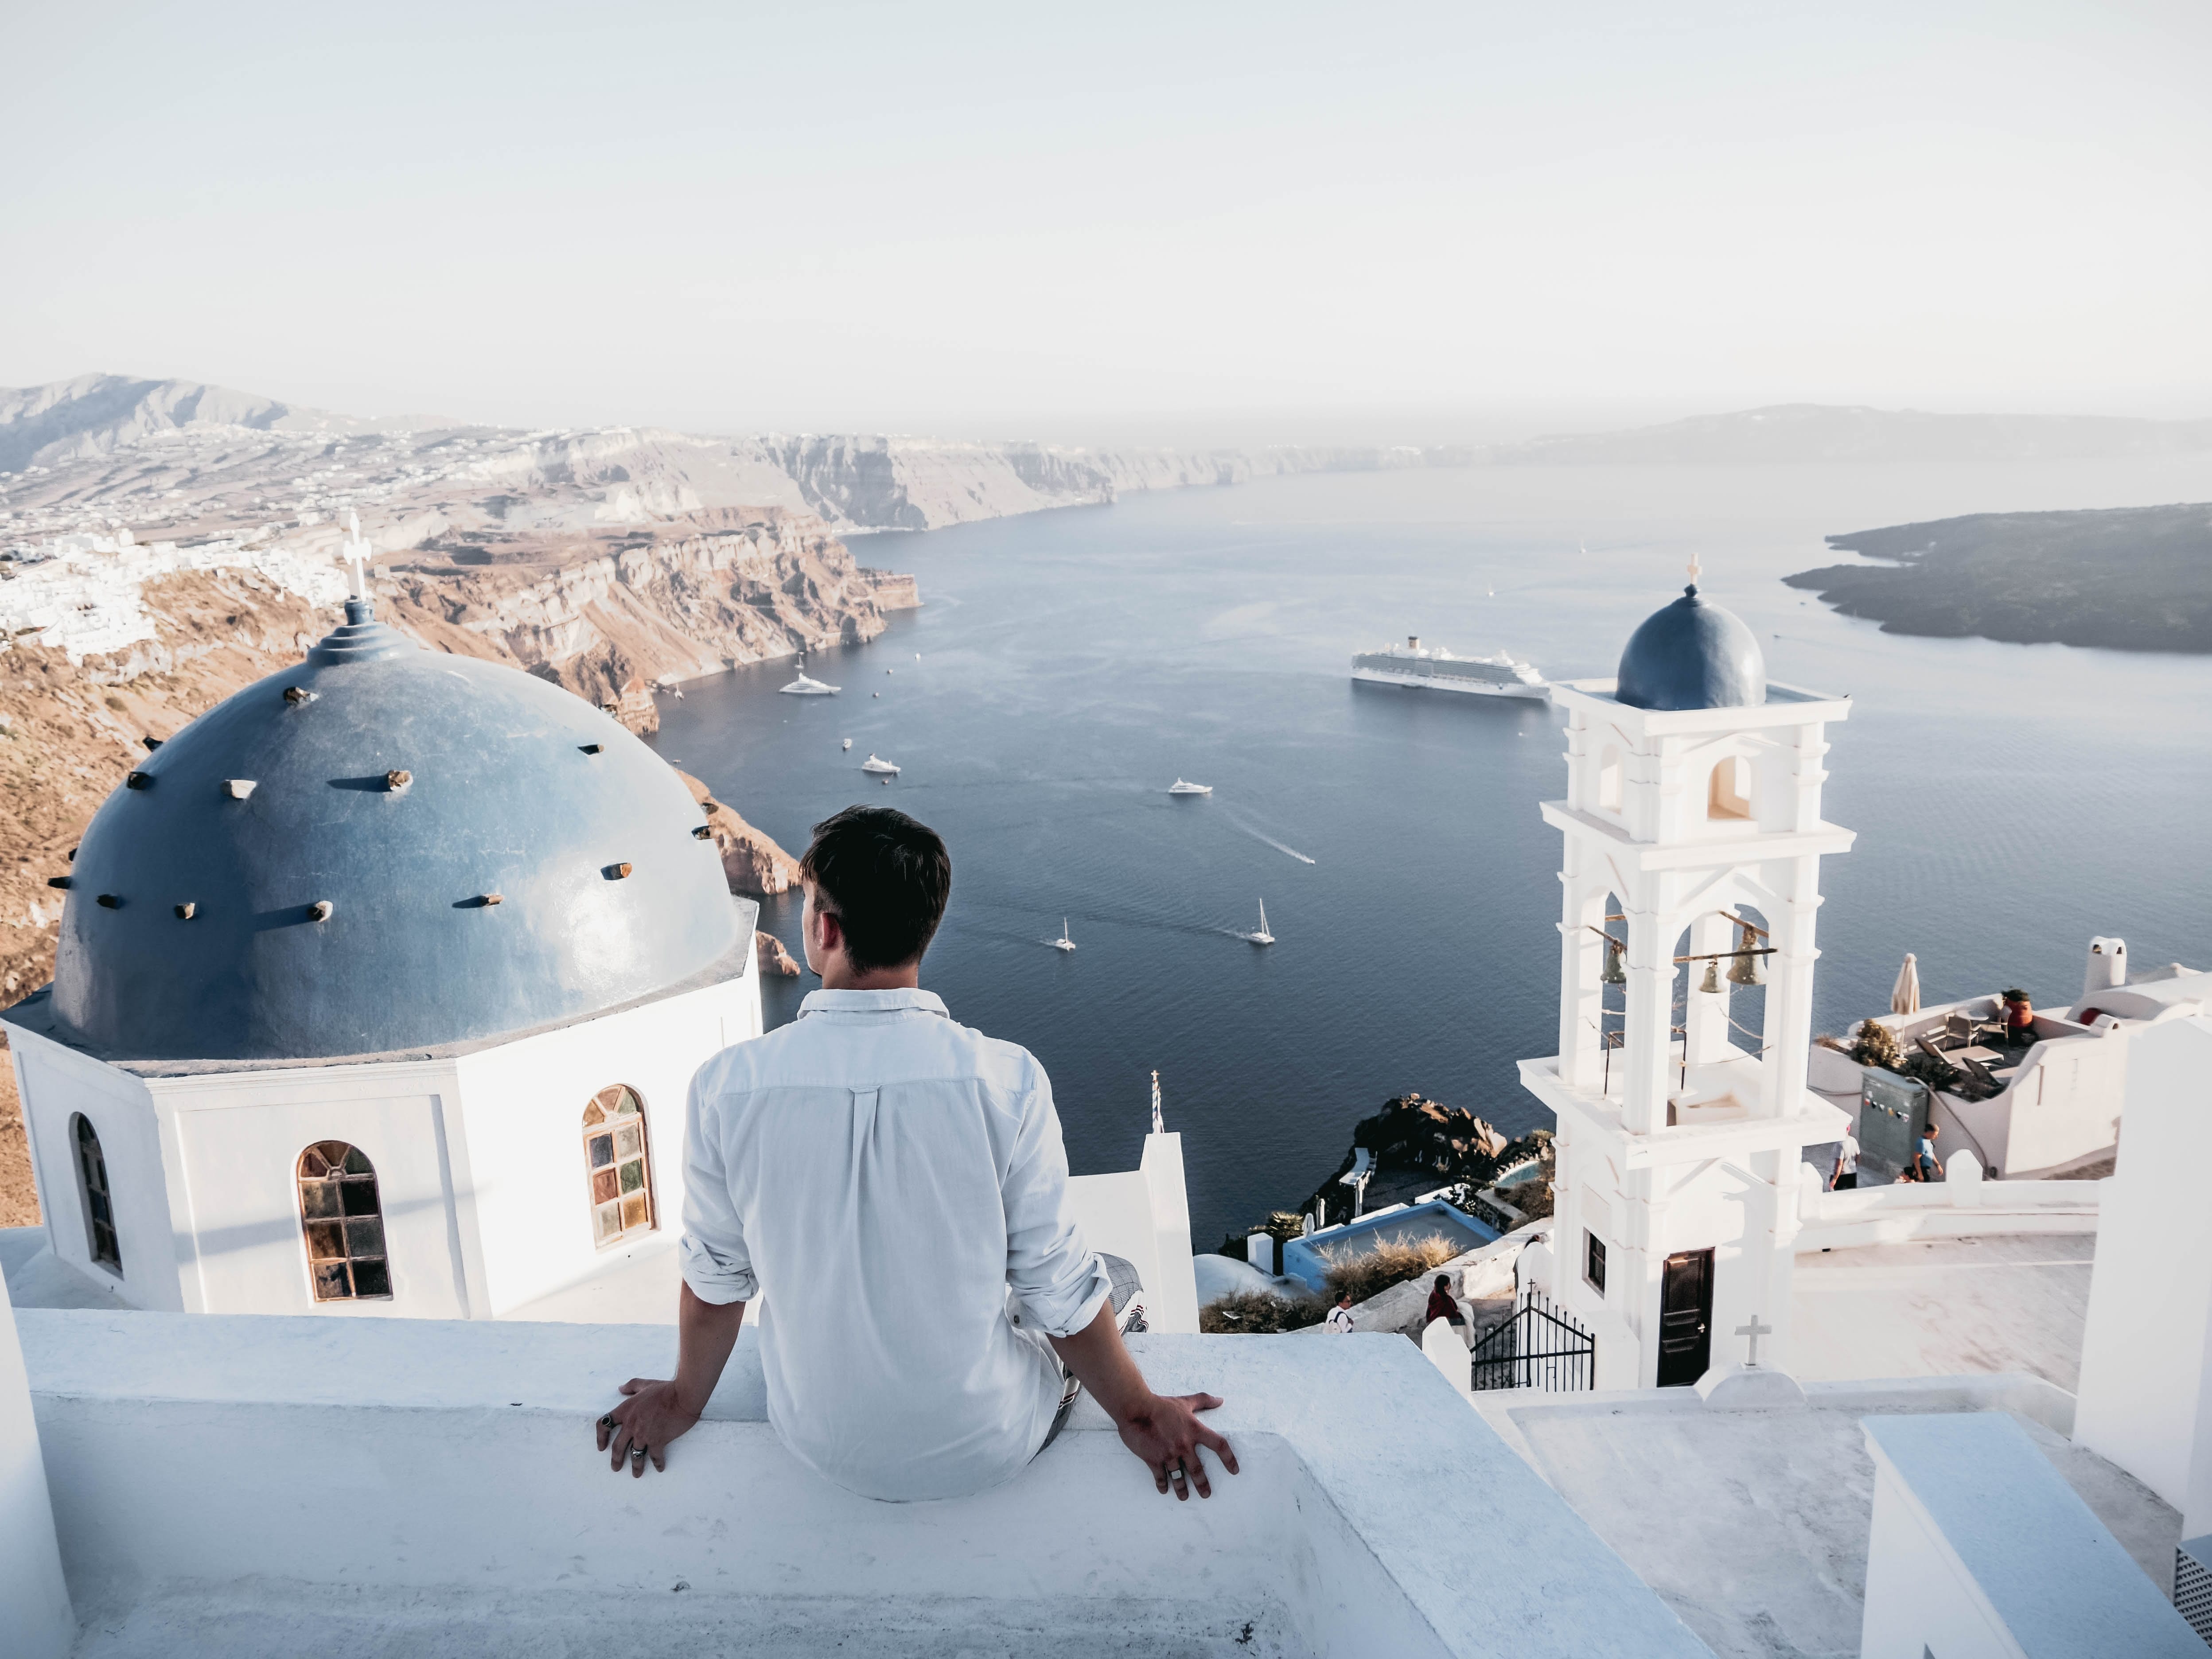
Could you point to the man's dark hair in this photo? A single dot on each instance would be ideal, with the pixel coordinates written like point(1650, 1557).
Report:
point(886, 879)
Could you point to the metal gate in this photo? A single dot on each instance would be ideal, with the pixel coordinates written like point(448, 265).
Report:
point(1540, 1346)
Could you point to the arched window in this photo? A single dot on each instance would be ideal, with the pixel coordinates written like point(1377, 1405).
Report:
point(616, 1165)
point(344, 1222)
point(1728, 795)
point(92, 1189)
point(1608, 779)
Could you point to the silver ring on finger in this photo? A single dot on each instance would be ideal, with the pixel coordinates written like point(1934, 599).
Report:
point(637, 1452)
point(1178, 1473)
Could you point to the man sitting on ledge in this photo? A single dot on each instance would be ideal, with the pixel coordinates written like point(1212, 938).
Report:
point(888, 1176)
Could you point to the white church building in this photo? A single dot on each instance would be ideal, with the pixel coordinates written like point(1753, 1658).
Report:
point(1693, 840)
point(380, 988)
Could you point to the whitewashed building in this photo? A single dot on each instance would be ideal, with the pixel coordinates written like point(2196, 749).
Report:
point(1693, 840)
point(378, 990)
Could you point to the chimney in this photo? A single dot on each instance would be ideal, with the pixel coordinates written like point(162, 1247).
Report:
point(1413, 642)
point(2108, 965)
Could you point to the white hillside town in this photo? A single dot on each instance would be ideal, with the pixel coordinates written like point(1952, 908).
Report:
point(355, 1113)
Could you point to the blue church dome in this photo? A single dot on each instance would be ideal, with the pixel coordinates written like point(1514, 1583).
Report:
point(385, 847)
point(1691, 654)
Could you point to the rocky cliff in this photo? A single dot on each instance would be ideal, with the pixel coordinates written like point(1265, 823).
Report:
point(607, 616)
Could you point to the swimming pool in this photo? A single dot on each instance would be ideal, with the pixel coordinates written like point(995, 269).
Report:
point(1302, 1257)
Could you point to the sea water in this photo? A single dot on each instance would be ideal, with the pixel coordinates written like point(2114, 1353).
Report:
point(1067, 666)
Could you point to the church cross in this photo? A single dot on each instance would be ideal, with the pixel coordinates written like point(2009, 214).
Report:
point(355, 546)
point(1754, 1331)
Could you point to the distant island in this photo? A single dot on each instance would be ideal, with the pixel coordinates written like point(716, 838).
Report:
point(2126, 579)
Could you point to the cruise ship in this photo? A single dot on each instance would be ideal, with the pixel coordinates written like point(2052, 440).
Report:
point(1413, 663)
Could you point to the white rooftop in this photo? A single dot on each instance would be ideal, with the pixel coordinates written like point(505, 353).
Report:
point(1753, 1523)
point(240, 1485)
point(1943, 1307)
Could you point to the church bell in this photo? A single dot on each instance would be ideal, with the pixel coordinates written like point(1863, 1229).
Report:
point(1711, 987)
point(1612, 973)
point(1749, 967)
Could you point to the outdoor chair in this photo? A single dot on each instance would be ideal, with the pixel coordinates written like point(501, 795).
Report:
point(1983, 1081)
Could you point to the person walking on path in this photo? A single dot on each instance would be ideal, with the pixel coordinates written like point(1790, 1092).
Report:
point(1925, 1166)
point(1845, 1176)
point(1339, 1316)
point(896, 1185)
point(1443, 1306)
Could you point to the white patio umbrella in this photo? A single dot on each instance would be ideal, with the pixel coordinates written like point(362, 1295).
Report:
point(1905, 995)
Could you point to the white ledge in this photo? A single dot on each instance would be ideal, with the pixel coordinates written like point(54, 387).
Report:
point(418, 1463)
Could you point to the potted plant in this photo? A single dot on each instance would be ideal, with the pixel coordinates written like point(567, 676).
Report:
point(2019, 1017)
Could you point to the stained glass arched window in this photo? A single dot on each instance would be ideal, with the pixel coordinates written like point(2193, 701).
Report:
point(91, 1188)
point(616, 1165)
point(343, 1221)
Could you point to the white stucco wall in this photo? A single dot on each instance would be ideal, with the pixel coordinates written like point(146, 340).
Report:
point(479, 1161)
point(36, 1619)
point(55, 1083)
point(2143, 1350)
point(1980, 1550)
point(453, 1468)
point(235, 1142)
point(520, 1160)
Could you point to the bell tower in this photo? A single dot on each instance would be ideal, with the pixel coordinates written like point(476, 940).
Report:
point(1691, 877)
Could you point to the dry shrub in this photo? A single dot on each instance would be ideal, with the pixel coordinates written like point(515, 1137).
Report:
point(1877, 1045)
point(1390, 1262)
point(1259, 1313)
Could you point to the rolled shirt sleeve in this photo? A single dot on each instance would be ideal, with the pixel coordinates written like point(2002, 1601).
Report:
point(1059, 1280)
point(714, 1260)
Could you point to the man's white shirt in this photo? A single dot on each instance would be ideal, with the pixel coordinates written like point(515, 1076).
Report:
point(885, 1178)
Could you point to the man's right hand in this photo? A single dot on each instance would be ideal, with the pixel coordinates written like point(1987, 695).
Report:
point(652, 1415)
point(1164, 1431)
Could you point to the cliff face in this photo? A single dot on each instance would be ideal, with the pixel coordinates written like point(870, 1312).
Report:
point(609, 615)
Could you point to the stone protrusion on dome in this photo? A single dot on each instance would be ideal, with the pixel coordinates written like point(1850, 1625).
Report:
point(517, 794)
point(1691, 654)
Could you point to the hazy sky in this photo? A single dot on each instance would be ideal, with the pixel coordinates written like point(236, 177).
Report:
point(1390, 220)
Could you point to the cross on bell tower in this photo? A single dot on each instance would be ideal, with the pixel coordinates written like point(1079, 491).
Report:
point(1690, 883)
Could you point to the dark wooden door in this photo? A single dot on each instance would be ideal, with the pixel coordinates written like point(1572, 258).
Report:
point(1686, 1318)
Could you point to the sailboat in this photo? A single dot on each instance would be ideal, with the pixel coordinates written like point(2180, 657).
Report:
point(1263, 937)
point(1063, 943)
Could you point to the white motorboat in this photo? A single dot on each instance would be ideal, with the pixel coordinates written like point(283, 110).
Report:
point(876, 763)
point(1179, 787)
point(1262, 937)
point(1063, 943)
point(849, 742)
point(804, 687)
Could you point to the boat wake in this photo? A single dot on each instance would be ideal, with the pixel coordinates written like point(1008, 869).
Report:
point(1257, 834)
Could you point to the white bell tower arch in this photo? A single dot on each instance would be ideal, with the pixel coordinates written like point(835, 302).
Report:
point(1694, 840)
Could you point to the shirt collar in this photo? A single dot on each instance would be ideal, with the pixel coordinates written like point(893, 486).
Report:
point(871, 1002)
